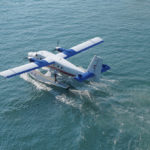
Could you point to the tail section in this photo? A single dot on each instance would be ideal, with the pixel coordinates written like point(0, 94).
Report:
point(95, 67)
point(94, 70)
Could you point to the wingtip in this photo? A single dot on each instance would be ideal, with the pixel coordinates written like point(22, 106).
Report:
point(97, 40)
point(2, 76)
point(5, 74)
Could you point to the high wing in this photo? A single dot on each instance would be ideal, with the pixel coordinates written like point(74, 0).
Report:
point(66, 53)
point(26, 68)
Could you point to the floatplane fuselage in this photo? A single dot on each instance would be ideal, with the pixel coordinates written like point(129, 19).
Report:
point(57, 63)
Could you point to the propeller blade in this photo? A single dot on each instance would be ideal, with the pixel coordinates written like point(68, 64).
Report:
point(57, 46)
point(58, 42)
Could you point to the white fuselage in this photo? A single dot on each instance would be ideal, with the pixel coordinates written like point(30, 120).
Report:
point(60, 64)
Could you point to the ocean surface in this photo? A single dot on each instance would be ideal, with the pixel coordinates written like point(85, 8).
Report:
point(112, 114)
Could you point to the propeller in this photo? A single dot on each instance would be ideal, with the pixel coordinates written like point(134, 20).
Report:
point(57, 46)
point(25, 58)
point(58, 41)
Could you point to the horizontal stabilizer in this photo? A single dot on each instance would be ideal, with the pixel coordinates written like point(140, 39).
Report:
point(105, 68)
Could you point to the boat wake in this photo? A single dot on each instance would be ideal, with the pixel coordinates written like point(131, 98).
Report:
point(75, 97)
point(38, 85)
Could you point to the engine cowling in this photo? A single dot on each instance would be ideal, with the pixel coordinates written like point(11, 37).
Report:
point(59, 49)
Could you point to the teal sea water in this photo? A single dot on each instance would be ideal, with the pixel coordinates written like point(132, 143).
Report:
point(113, 114)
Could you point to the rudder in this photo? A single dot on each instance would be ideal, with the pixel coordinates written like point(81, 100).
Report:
point(95, 67)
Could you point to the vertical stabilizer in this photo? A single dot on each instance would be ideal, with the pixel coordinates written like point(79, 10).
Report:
point(95, 67)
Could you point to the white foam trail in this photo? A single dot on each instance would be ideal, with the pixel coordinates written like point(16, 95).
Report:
point(38, 85)
point(63, 98)
point(103, 83)
point(97, 86)
point(82, 93)
point(87, 94)
point(109, 81)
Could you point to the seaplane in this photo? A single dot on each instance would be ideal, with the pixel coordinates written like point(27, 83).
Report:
point(48, 67)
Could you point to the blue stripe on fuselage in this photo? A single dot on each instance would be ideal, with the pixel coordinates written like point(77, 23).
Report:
point(84, 76)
